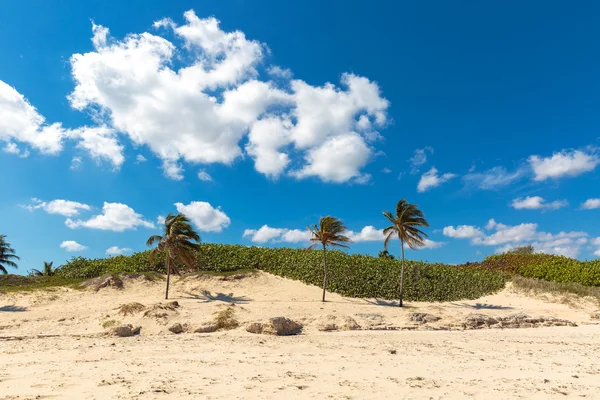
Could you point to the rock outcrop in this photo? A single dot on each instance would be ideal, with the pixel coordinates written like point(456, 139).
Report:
point(126, 330)
point(482, 321)
point(280, 326)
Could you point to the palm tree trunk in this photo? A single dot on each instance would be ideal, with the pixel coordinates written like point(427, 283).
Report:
point(168, 265)
point(401, 274)
point(324, 272)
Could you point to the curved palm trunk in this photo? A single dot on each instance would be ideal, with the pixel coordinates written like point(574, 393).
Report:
point(401, 274)
point(324, 272)
point(168, 265)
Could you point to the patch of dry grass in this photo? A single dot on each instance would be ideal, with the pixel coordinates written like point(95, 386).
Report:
point(131, 308)
point(110, 323)
point(225, 319)
point(568, 293)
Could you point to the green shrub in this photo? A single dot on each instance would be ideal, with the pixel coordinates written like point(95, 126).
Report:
point(544, 266)
point(349, 275)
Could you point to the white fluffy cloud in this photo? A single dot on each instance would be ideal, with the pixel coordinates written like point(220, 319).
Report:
point(590, 204)
point(116, 250)
point(463, 232)
point(431, 179)
point(419, 158)
point(115, 217)
point(493, 179)
point(507, 237)
point(204, 216)
point(267, 234)
point(338, 160)
point(369, 233)
point(204, 176)
point(537, 203)
point(563, 163)
point(72, 246)
point(177, 114)
point(596, 243)
point(66, 208)
point(21, 122)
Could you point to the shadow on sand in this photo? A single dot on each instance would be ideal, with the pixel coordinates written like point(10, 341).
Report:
point(13, 309)
point(385, 303)
point(479, 306)
point(206, 296)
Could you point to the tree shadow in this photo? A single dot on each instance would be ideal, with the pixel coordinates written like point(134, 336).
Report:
point(384, 303)
point(206, 296)
point(13, 309)
point(479, 306)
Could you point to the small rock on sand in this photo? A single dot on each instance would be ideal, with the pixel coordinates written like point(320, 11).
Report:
point(280, 326)
point(126, 330)
point(178, 328)
point(423, 318)
point(207, 327)
point(332, 323)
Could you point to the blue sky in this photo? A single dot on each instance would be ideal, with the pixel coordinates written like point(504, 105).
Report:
point(255, 118)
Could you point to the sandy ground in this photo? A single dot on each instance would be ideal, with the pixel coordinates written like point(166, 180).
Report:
point(53, 345)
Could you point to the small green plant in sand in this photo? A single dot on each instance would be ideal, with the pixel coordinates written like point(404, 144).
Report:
point(566, 290)
point(225, 319)
point(110, 323)
point(131, 308)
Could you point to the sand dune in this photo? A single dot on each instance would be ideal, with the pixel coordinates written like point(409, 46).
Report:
point(57, 343)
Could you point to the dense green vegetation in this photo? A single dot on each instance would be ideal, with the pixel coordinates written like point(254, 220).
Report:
point(543, 266)
point(350, 275)
point(12, 283)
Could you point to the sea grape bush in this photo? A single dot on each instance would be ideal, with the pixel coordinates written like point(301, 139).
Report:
point(544, 266)
point(349, 275)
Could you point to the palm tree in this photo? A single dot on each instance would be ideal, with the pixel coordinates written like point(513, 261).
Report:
point(48, 271)
point(386, 254)
point(7, 254)
point(329, 232)
point(179, 244)
point(405, 224)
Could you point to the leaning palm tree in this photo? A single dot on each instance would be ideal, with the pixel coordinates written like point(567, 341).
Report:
point(329, 232)
point(7, 255)
point(405, 225)
point(179, 244)
point(47, 271)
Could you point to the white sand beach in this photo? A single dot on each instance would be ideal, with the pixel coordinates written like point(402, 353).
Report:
point(53, 345)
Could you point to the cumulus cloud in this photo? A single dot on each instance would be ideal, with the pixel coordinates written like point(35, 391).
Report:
point(72, 246)
point(140, 159)
point(277, 71)
point(419, 158)
point(204, 176)
point(115, 217)
point(506, 237)
point(178, 115)
point(65, 208)
point(431, 179)
point(21, 122)
point(590, 204)
point(76, 163)
point(267, 234)
point(537, 203)
point(204, 216)
point(493, 178)
point(596, 242)
point(463, 232)
point(386, 170)
point(116, 250)
point(12, 148)
point(367, 234)
point(563, 163)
